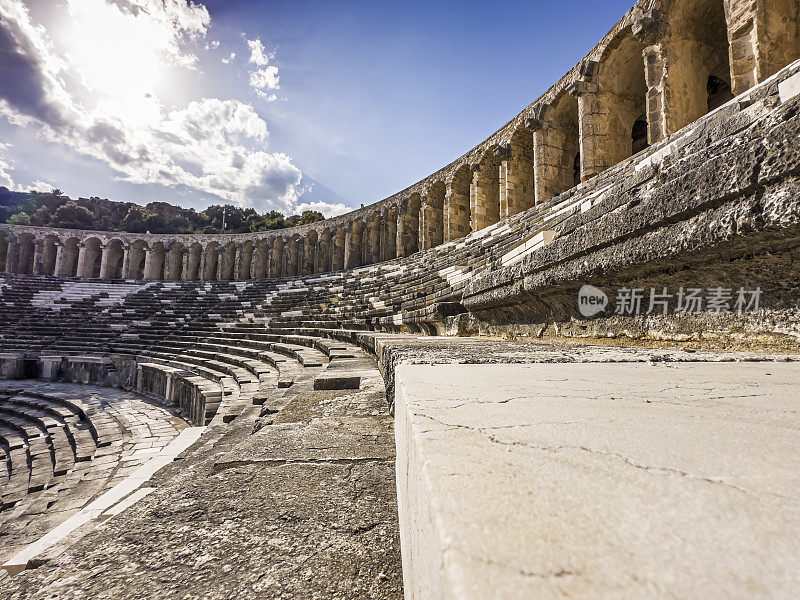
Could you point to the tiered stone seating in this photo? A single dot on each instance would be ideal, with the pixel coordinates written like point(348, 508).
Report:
point(62, 445)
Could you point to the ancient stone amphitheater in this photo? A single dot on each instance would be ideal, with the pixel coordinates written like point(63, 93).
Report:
point(421, 397)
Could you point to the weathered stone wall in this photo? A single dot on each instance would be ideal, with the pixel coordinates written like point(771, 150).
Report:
point(715, 206)
point(662, 66)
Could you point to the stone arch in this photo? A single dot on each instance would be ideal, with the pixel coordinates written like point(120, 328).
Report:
point(193, 263)
point(156, 258)
point(276, 258)
point(25, 252)
point(516, 174)
point(137, 259)
point(227, 259)
point(408, 226)
point(91, 256)
point(173, 262)
point(389, 232)
point(608, 115)
point(556, 147)
point(209, 261)
point(763, 35)
point(310, 252)
point(293, 256)
point(49, 252)
point(244, 268)
point(484, 200)
point(372, 239)
point(688, 66)
point(431, 223)
point(353, 245)
point(260, 260)
point(112, 264)
point(337, 249)
point(324, 252)
point(456, 206)
point(69, 264)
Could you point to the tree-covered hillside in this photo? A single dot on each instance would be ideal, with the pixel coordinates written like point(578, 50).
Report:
point(53, 209)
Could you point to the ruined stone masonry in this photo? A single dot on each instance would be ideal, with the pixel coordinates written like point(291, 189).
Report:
point(407, 400)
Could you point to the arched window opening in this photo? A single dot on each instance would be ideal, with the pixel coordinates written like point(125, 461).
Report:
point(576, 169)
point(719, 92)
point(639, 135)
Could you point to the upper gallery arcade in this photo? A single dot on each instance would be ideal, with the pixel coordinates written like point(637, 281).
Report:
point(663, 65)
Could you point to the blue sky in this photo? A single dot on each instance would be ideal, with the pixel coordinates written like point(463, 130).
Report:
point(285, 105)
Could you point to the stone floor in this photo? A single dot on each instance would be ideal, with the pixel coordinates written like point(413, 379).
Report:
point(625, 480)
point(523, 470)
point(292, 499)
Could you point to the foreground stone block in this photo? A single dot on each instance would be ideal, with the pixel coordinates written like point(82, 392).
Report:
point(599, 480)
point(329, 381)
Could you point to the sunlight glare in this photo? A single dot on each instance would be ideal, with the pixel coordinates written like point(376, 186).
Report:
point(118, 55)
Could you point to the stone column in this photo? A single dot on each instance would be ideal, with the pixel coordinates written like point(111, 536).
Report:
point(104, 252)
point(484, 196)
point(456, 210)
point(323, 259)
point(276, 261)
point(352, 246)
point(669, 65)
point(516, 174)
point(184, 265)
point(763, 37)
point(167, 265)
point(201, 271)
point(254, 262)
point(407, 231)
point(148, 263)
point(285, 262)
point(12, 257)
point(502, 180)
point(220, 268)
point(126, 262)
point(58, 265)
point(309, 252)
point(431, 223)
point(81, 270)
point(38, 251)
point(337, 253)
point(237, 264)
point(592, 128)
point(389, 245)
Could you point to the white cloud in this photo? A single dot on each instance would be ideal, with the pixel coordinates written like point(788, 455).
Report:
point(328, 210)
point(230, 58)
point(5, 176)
point(265, 79)
point(210, 145)
point(258, 54)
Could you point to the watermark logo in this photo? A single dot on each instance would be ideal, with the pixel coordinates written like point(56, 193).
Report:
point(684, 300)
point(591, 300)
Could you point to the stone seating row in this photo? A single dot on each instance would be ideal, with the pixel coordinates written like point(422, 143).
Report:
point(58, 450)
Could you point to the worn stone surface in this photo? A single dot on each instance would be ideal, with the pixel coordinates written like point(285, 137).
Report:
point(304, 508)
point(599, 480)
point(70, 460)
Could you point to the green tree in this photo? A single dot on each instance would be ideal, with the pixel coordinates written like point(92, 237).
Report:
point(72, 216)
point(20, 218)
point(134, 221)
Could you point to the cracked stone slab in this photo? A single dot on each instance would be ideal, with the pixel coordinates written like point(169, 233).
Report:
point(330, 439)
point(677, 480)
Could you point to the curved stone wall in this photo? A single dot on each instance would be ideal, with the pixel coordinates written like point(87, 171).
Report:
point(662, 66)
